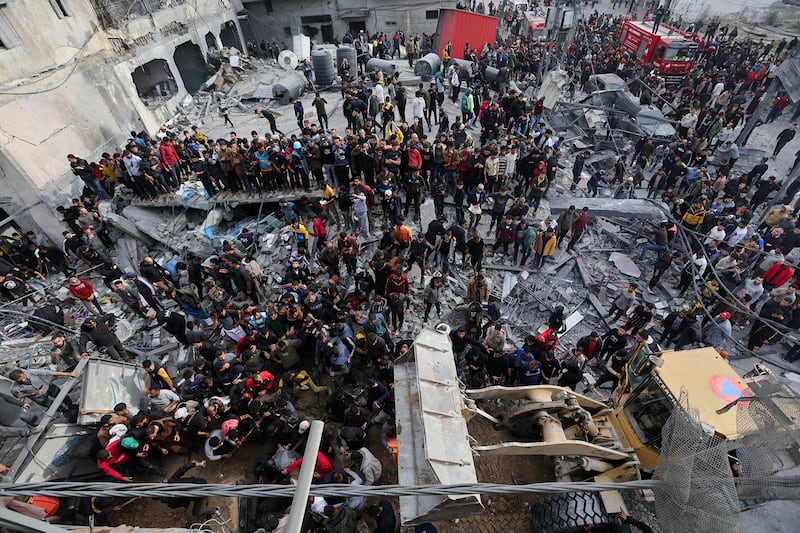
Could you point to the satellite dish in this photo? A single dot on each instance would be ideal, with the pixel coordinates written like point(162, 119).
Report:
point(287, 60)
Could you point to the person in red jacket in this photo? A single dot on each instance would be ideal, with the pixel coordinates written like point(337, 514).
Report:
point(114, 455)
point(83, 291)
point(170, 162)
point(320, 234)
point(414, 159)
point(547, 340)
point(260, 383)
point(778, 275)
point(397, 282)
point(578, 228)
point(321, 469)
point(506, 231)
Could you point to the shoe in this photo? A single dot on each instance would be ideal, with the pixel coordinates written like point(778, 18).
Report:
point(650, 290)
point(305, 387)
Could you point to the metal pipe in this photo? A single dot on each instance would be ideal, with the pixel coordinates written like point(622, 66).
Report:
point(591, 464)
point(300, 500)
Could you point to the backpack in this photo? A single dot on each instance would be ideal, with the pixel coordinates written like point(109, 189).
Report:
point(216, 294)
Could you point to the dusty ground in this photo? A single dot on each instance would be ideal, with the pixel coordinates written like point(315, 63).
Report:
point(503, 513)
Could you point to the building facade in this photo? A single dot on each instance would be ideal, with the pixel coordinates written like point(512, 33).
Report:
point(327, 21)
point(76, 76)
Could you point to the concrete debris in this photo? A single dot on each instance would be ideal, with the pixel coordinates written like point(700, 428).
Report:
point(625, 265)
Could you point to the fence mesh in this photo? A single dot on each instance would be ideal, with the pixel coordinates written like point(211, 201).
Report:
point(704, 481)
point(696, 490)
point(769, 429)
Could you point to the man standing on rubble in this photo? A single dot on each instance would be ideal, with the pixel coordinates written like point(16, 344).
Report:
point(577, 169)
point(578, 228)
point(565, 221)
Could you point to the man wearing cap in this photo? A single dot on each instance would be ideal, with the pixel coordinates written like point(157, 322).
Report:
point(116, 455)
point(99, 331)
point(83, 291)
point(718, 331)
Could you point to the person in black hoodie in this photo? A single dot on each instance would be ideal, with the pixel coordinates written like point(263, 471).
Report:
point(100, 331)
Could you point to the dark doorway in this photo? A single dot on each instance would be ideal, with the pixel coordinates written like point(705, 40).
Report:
point(310, 31)
point(230, 36)
point(211, 42)
point(191, 65)
point(327, 33)
point(357, 26)
point(154, 79)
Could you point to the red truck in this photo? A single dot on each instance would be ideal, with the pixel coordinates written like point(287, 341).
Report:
point(459, 27)
point(669, 51)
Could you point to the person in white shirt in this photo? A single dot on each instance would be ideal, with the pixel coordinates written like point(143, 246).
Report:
point(717, 233)
point(738, 235)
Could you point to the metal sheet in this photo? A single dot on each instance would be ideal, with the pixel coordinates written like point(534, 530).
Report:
point(432, 437)
point(54, 456)
point(459, 27)
point(106, 383)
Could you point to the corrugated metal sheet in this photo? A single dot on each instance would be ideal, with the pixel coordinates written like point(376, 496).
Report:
point(460, 27)
point(789, 74)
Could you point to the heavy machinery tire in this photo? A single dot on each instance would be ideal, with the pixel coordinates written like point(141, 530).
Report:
point(570, 513)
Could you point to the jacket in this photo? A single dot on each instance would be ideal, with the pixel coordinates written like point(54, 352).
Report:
point(100, 335)
point(432, 294)
point(565, 220)
point(545, 245)
point(82, 291)
point(451, 160)
point(476, 292)
point(370, 467)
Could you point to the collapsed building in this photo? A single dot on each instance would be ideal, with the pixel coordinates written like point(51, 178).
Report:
point(78, 75)
point(173, 60)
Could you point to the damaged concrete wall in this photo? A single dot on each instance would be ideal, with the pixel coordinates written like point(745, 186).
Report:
point(268, 19)
point(67, 88)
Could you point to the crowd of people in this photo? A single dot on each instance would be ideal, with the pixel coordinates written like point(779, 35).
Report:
point(338, 319)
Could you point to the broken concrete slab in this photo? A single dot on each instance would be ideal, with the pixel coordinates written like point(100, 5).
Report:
point(509, 282)
point(625, 265)
point(608, 206)
point(572, 320)
point(121, 223)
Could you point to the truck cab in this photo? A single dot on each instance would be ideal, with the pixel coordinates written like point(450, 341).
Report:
point(653, 385)
point(669, 51)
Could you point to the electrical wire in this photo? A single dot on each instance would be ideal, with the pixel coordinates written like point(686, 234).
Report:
point(181, 490)
point(698, 280)
point(76, 59)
